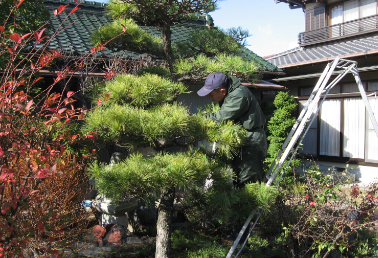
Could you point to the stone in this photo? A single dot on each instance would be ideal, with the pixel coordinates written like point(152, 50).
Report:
point(107, 206)
point(115, 235)
point(98, 234)
point(107, 219)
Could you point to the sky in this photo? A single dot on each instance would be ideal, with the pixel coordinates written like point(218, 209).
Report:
point(274, 28)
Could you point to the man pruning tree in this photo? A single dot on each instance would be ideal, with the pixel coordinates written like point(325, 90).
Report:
point(238, 104)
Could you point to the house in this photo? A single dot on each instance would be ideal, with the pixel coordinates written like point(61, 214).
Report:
point(342, 136)
point(76, 40)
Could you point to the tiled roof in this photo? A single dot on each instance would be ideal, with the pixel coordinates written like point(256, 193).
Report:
point(362, 45)
point(90, 16)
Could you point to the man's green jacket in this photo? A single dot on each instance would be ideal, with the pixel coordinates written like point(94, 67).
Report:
point(240, 106)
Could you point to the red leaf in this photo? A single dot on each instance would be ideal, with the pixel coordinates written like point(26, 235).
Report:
point(15, 37)
point(28, 106)
point(1, 152)
point(70, 93)
point(74, 9)
point(37, 35)
point(60, 9)
point(90, 136)
point(123, 28)
point(24, 36)
point(99, 47)
point(60, 76)
point(98, 102)
point(10, 50)
point(110, 74)
point(40, 78)
point(5, 210)
point(14, 203)
point(40, 226)
point(19, 3)
point(57, 53)
point(2, 29)
point(43, 173)
point(60, 111)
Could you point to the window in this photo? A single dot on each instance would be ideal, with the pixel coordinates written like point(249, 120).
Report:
point(371, 137)
point(330, 127)
point(349, 11)
point(352, 10)
point(342, 128)
point(354, 128)
point(306, 91)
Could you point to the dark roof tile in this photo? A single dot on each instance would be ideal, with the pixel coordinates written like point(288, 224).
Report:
point(91, 16)
point(361, 44)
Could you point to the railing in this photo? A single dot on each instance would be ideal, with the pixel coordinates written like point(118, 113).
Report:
point(342, 30)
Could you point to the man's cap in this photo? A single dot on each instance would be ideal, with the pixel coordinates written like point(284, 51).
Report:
point(213, 81)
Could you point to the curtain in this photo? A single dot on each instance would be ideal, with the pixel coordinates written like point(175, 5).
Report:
point(330, 128)
point(350, 10)
point(354, 128)
point(367, 8)
point(336, 18)
point(371, 137)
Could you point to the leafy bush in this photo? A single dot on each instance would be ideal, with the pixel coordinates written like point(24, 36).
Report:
point(327, 216)
point(42, 183)
point(279, 127)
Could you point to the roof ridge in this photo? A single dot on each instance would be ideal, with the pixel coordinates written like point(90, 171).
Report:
point(296, 49)
point(84, 3)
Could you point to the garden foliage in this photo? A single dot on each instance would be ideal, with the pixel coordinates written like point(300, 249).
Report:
point(279, 127)
point(324, 216)
point(43, 161)
point(140, 112)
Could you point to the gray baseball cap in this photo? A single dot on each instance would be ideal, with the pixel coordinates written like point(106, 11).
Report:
point(213, 81)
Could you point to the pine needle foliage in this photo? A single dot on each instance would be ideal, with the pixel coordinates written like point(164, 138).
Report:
point(138, 113)
point(143, 177)
point(212, 41)
point(264, 196)
point(141, 91)
point(134, 39)
point(202, 65)
point(158, 70)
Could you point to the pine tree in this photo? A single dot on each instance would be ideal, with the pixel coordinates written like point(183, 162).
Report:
point(161, 14)
point(139, 111)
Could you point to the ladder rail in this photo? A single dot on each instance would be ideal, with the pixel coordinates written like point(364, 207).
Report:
point(316, 88)
point(302, 136)
point(299, 123)
point(303, 124)
point(365, 99)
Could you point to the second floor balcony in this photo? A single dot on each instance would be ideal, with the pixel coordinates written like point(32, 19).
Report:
point(339, 31)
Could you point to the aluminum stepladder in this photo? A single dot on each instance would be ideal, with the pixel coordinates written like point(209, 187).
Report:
point(301, 127)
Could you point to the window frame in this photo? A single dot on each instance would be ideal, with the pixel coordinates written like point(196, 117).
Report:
point(343, 17)
point(342, 97)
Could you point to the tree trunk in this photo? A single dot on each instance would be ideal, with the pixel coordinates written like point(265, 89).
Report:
point(167, 44)
point(165, 209)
